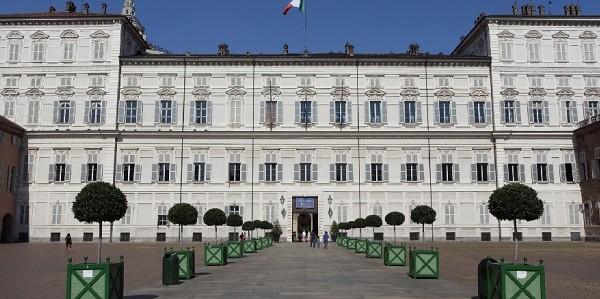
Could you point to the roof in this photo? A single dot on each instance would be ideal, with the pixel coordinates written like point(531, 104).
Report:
point(483, 20)
point(8, 126)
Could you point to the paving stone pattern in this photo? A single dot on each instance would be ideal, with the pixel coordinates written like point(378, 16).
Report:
point(298, 271)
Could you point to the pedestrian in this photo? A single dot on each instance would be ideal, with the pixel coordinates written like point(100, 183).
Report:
point(303, 236)
point(313, 239)
point(68, 242)
point(242, 237)
point(325, 240)
point(318, 241)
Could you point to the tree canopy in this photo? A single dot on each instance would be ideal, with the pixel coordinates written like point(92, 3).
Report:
point(515, 201)
point(394, 218)
point(214, 217)
point(183, 214)
point(373, 221)
point(360, 223)
point(265, 225)
point(423, 215)
point(99, 202)
point(234, 220)
point(351, 225)
point(248, 226)
point(257, 224)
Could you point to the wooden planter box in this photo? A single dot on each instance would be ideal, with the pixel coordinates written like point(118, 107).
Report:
point(258, 244)
point(351, 244)
point(424, 263)
point(265, 242)
point(91, 280)
point(504, 281)
point(187, 263)
point(215, 255)
point(361, 246)
point(235, 249)
point(249, 246)
point(394, 255)
point(344, 242)
point(374, 249)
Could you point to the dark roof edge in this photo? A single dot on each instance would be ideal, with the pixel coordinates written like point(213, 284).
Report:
point(11, 127)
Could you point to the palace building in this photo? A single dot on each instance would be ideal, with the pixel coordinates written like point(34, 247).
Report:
point(303, 139)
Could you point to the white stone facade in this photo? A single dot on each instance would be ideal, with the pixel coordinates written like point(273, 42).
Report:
point(168, 128)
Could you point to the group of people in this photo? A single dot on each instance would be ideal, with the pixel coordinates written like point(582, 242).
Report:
point(315, 239)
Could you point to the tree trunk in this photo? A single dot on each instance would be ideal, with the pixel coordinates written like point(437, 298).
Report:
point(516, 241)
point(423, 237)
point(395, 235)
point(216, 242)
point(432, 234)
point(111, 231)
point(180, 230)
point(499, 232)
point(360, 232)
point(100, 242)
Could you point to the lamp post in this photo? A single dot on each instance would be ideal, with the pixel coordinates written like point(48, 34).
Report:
point(330, 212)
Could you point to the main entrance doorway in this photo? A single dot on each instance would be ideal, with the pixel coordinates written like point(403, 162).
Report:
point(305, 216)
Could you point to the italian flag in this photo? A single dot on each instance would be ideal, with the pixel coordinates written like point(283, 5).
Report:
point(295, 3)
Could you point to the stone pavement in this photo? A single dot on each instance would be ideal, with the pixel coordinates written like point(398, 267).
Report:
point(298, 271)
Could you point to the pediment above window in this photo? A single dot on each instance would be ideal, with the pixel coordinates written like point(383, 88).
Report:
point(410, 93)
point(235, 91)
point(340, 92)
point(509, 92)
point(39, 35)
point(587, 34)
point(15, 35)
point(539, 92)
point(69, 34)
point(306, 92)
point(565, 92)
point(10, 92)
point(131, 92)
point(592, 91)
point(478, 92)
point(201, 93)
point(271, 91)
point(560, 34)
point(99, 34)
point(65, 91)
point(533, 34)
point(34, 93)
point(506, 34)
point(96, 92)
point(166, 92)
point(444, 93)
point(375, 93)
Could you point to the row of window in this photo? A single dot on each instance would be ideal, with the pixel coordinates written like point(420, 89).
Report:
point(306, 113)
point(560, 45)
point(68, 47)
point(63, 80)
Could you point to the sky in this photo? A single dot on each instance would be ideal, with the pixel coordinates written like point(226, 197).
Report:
point(258, 26)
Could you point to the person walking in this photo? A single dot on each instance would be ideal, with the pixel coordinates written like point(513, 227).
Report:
point(325, 240)
point(318, 240)
point(303, 236)
point(68, 242)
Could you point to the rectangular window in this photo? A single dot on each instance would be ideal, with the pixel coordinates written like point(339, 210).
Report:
point(270, 112)
point(57, 213)
point(448, 214)
point(537, 112)
point(236, 111)
point(235, 170)
point(271, 81)
point(39, 51)
point(506, 50)
point(513, 172)
point(132, 80)
point(574, 213)
point(444, 110)
point(305, 81)
point(166, 111)
point(97, 80)
point(201, 112)
point(305, 172)
point(484, 214)
point(14, 51)
point(129, 172)
point(199, 172)
point(342, 213)
point(591, 81)
point(409, 82)
point(508, 81)
point(509, 111)
point(536, 81)
point(33, 115)
point(236, 81)
point(340, 112)
point(11, 81)
point(375, 112)
point(164, 172)
point(66, 81)
point(341, 172)
point(479, 112)
point(560, 51)
point(9, 108)
point(376, 172)
point(542, 172)
point(64, 112)
point(127, 217)
point(339, 81)
point(443, 81)
point(271, 172)
point(447, 172)
point(92, 172)
point(482, 172)
point(545, 219)
point(306, 112)
point(165, 81)
point(131, 111)
point(162, 215)
point(95, 112)
point(202, 81)
point(98, 50)
point(36, 81)
point(563, 81)
point(68, 47)
point(591, 108)
point(374, 81)
point(24, 214)
point(412, 171)
point(533, 50)
point(410, 112)
point(588, 48)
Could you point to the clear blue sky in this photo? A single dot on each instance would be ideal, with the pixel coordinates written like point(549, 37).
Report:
point(258, 26)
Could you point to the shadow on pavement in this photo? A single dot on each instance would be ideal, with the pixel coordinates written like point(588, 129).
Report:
point(141, 297)
point(202, 273)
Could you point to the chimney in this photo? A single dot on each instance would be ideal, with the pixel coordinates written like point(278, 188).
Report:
point(413, 49)
point(285, 49)
point(103, 8)
point(349, 49)
point(86, 8)
point(70, 7)
point(515, 9)
point(52, 9)
point(527, 10)
point(223, 49)
point(541, 10)
point(572, 10)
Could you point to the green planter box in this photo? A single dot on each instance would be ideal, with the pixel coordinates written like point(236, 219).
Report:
point(187, 263)
point(235, 249)
point(270, 241)
point(215, 255)
point(424, 263)
point(265, 242)
point(98, 281)
point(506, 281)
point(351, 244)
point(249, 246)
point(394, 255)
point(339, 240)
point(344, 242)
point(361, 246)
point(259, 244)
point(374, 249)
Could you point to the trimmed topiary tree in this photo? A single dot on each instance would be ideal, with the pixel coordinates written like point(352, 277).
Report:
point(334, 230)
point(99, 202)
point(183, 214)
point(257, 224)
point(276, 231)
point(514, 202)
point(373, 221)
point(265, 225)
point(351, 226)
point(235, 221)
point(423, 215)
point(394, 218)
point(248, 226)
point(360, 223)
point(215, 217)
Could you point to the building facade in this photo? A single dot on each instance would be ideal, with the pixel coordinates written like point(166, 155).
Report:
point(587, 143)
point(11, 138)
point(302, 139)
